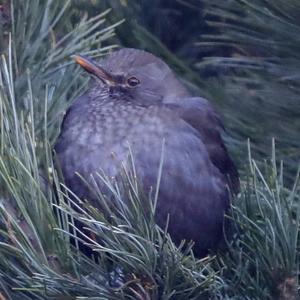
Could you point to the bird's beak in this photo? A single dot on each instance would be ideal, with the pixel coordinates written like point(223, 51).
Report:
point(94, 69)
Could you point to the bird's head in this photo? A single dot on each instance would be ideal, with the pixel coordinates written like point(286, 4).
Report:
point(139, 74)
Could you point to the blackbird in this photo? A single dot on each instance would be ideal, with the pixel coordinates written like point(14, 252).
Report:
point(135, 104)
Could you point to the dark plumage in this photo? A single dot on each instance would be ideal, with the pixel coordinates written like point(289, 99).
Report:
point(137, 100)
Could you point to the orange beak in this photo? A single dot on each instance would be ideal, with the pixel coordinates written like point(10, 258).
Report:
point(94, 69)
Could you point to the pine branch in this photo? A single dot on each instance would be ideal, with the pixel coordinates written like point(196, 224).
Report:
point(264, 255)
point(138, 260)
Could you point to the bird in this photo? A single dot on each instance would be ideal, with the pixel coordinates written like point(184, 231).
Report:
point(135, 104)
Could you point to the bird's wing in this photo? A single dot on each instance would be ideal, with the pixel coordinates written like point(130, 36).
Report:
point(201, 115)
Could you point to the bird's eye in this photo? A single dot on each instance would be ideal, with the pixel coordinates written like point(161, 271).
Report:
point(133, 82)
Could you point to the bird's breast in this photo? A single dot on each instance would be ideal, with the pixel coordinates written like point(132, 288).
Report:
point(116, 124)
point(102, 136)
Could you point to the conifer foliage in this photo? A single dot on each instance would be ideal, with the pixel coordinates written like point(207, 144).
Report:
point(135, 258)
